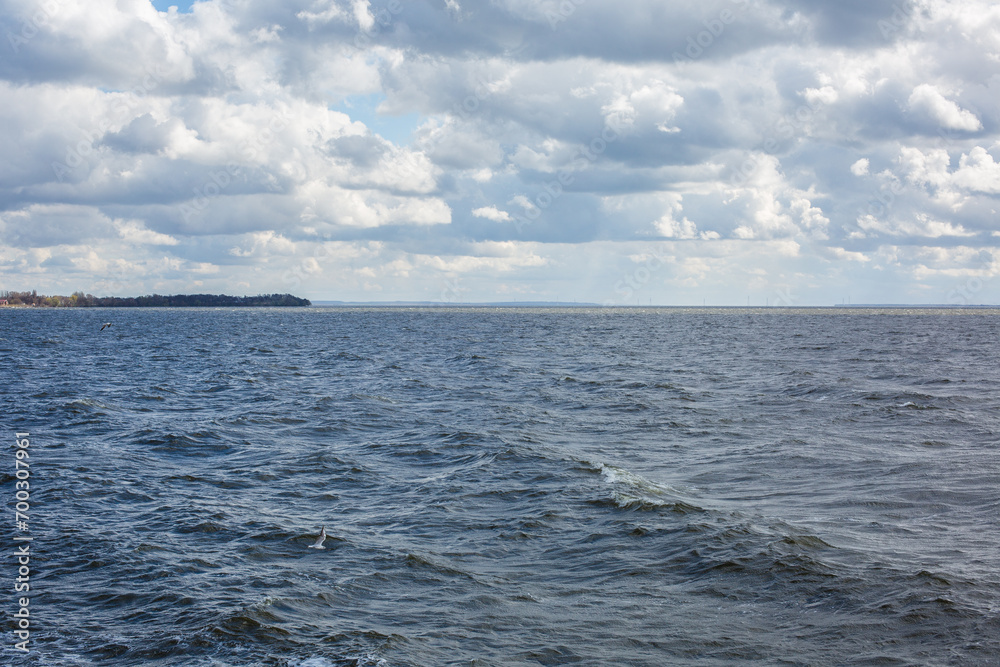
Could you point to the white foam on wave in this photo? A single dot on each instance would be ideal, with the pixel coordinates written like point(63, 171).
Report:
point(630, 488)
point(93, 403)
point(367, 660)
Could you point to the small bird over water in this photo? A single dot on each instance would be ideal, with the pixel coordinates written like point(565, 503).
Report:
point(318, 544)
point(106, 325)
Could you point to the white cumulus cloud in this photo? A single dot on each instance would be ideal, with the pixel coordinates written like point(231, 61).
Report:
point(492, 213)
point(928, 99)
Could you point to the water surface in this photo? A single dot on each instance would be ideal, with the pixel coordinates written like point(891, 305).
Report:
point(507, 486)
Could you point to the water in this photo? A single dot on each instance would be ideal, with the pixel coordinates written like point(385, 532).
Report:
point(505, 487)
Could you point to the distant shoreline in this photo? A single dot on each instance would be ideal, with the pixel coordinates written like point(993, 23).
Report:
point(80, 300)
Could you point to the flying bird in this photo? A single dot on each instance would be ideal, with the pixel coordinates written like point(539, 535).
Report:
point(318, 544)
point(106, 325)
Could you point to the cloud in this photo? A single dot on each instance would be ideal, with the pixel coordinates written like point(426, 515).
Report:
point(350, 148)
point(927, 99)
point(134, 232)
point(978, 172)
point(921, 225)
point(492, 213)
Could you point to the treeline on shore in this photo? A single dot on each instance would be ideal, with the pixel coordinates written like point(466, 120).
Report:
point(81, 300)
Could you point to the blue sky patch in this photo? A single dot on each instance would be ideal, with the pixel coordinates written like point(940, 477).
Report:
point(182, 5)
point(397, 129)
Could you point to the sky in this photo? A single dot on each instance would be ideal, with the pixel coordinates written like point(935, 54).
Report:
point(719, 152)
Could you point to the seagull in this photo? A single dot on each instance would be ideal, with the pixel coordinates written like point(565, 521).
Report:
point(318, 544)
point(108, 324)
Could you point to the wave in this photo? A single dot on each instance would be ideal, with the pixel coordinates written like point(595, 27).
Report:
point(81, 406)
point(202, 443)
point(631, 491)
point(365, 660)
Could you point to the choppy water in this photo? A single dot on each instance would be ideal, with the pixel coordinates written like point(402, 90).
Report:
point(506, 487)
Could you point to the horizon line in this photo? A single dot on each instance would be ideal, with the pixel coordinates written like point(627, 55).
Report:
point(588, 304)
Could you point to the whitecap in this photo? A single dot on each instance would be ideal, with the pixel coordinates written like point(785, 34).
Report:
point(630, 488)
point(367, 660)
